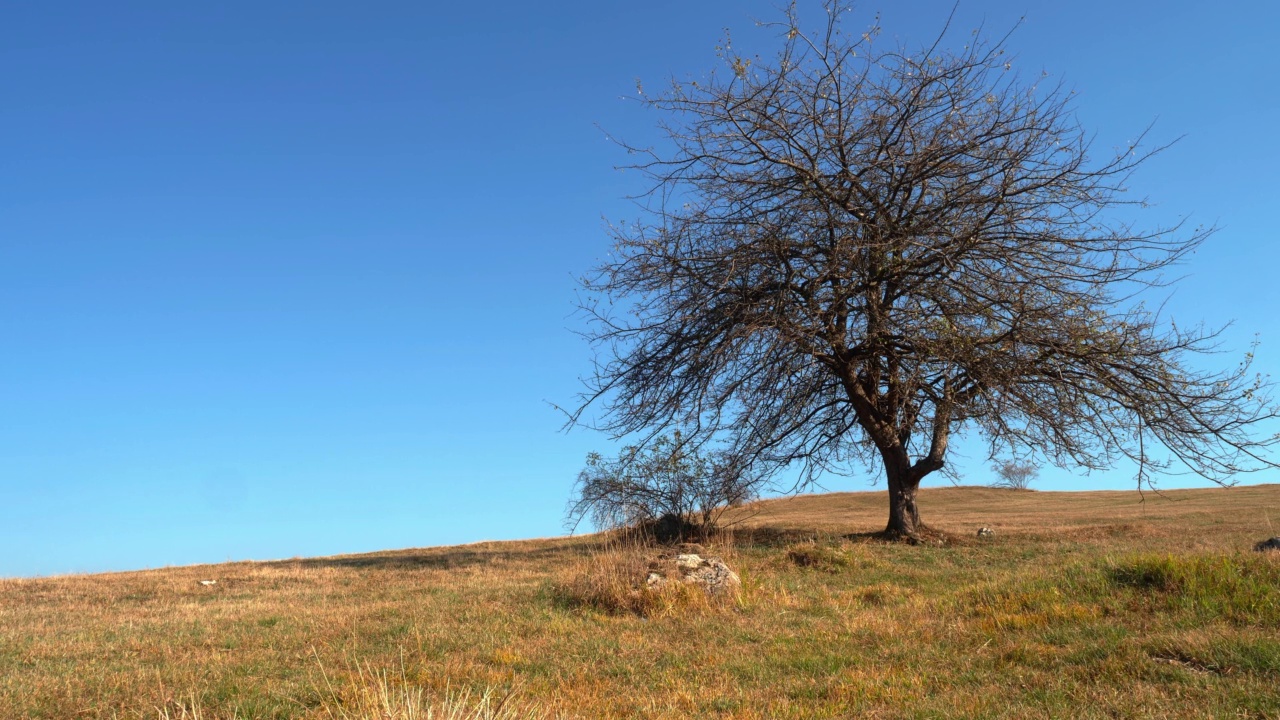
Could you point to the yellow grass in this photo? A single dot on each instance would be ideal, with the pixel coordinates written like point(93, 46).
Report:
point(1082, 605)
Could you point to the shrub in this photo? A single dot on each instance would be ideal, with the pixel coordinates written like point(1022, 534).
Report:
point(666, 489)
point(1016, 475)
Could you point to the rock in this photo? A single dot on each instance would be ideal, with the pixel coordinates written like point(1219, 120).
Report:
point(709, 573)
point(715, 577)
point(986, 532)
point(207, 583)
point(689, 561)
point(1272, 545)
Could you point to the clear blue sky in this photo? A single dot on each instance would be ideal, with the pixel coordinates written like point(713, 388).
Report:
point(290, 279)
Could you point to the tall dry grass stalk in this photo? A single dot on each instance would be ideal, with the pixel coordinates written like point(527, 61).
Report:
point(188, 710)
point(372, 694)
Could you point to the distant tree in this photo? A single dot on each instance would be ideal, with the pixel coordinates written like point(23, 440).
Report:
point(668, 485)
point(850, 252)
point(1016, 475)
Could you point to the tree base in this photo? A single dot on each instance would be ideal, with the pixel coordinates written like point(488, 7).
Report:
point(922, 536)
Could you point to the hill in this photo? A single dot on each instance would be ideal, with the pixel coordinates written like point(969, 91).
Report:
point(1082, 605)
point(1205, 518)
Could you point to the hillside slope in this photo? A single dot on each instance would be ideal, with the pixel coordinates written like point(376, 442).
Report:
point(1082, 605)
point(1201, 518)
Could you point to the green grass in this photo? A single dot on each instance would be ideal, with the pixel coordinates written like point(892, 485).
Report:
point(1238, 588)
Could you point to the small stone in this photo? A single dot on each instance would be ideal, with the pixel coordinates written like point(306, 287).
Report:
point(1272, 545)
point(207, 583)
point(986, 532)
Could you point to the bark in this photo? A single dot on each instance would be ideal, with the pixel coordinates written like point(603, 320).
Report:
point(904, 478)
point(904, 516)
point(903, 481)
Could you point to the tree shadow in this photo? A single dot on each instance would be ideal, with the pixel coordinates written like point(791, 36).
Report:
point(927, 536)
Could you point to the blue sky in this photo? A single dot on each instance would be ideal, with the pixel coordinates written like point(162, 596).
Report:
point(290, 279)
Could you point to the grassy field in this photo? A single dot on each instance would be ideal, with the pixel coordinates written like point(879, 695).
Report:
point(1082, 605)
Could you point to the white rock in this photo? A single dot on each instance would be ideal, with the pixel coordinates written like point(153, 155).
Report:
point(689, 562)
point(715, 577)
point(711, 574)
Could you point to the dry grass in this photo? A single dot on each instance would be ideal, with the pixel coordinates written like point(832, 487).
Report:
point(379, 695)
point(1203, 513)
point(1082, 605)
point(612, 579)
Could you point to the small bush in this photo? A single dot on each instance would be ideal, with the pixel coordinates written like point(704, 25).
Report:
point(668, 490)
point(671, 528)
point(1016, 475)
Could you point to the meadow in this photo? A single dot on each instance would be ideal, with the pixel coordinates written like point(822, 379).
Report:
point(1090, 605)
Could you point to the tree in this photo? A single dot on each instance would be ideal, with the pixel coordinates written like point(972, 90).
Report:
point(849, 253)
point(668, 485)
point(1016, 475)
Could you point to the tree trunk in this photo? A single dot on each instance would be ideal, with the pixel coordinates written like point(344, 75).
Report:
point(904, 517)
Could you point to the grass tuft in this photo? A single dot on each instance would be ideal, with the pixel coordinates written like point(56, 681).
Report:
point(814, 556)
point(1201, 651)
point(1032, 603)
point(1239, 588)
point(379, 695)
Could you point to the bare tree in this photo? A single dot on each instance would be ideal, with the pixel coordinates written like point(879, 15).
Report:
point(669, 485)
point(1016, 475)
point(849, 252)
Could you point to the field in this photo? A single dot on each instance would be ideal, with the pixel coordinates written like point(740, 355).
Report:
point(1081, 605)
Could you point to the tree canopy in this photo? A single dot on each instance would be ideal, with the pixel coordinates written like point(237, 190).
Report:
point(849, 252)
